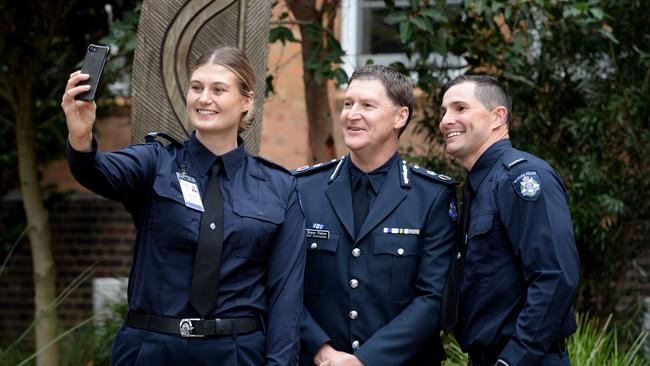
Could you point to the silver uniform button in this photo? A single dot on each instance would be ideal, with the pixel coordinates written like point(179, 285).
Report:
point(355, 345)
point(212, 225)
point(313, 245)
point(356, 252)
point(354, 283)
point(458, 255)
point(400, 251)
point(353, 314)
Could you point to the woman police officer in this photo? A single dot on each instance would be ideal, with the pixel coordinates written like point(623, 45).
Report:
point(217, 271)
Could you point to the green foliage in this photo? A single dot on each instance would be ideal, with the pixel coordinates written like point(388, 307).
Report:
point(42, 42)
point(579, 75)
point(323, 50)
point(594, 343)
point(88, 342)
point(597, 343)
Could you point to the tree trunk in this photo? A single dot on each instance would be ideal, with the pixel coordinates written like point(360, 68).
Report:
point(321, 138)
point(38, 226)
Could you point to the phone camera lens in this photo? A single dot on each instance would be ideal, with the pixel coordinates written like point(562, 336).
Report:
point(92, 49)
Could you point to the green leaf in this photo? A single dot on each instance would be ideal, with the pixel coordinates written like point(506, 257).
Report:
point(607, 34)
point(405, 32)
point(420, 23)
point(340, 76)
point(597, 13)
point(282, 34)
point(397, 17)
point(269, 89)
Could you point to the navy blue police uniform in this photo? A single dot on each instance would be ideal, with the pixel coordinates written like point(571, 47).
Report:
point(521, 265)
point(256, 319)
point(377, 294)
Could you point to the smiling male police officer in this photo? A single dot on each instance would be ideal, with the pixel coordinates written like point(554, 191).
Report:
point(379, 238)
point(521, 265)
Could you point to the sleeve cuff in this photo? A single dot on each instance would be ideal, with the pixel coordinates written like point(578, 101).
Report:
point(516, 355)
point(80, 157)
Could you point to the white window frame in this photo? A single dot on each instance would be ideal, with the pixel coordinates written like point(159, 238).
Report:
point(351, 18)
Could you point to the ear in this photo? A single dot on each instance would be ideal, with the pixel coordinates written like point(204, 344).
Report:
point(248, 101)
point(401, 117)
point(499, 116)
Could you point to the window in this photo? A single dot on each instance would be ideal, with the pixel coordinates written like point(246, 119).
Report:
point(365, 35)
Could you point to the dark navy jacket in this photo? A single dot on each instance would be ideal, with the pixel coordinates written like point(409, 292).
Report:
point(377, 296)
point(521, 267)
point(263, 257)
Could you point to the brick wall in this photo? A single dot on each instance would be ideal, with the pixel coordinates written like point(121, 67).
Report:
point(87, 230)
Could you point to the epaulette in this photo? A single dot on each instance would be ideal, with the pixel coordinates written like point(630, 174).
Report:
point(434, 176)
point(512, 158)
point(151, 138)
point(272, 164)
point(305, 170)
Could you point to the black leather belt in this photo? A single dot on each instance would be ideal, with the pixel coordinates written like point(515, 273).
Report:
point(488, 357)
point(193, 327)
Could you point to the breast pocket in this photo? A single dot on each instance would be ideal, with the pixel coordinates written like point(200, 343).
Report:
point(321, 261)
point(478, 261)
point(171, 223)
point(258, 224)
point(395, 264)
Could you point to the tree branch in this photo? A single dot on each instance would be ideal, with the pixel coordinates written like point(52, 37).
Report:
point(7, 122)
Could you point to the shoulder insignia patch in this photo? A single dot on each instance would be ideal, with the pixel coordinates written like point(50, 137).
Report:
point(528, 185)
point(433, 175)
point(305, 170)
point(453, 210)
point(271, 164)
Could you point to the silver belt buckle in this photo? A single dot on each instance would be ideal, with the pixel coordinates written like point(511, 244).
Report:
point(185, 326)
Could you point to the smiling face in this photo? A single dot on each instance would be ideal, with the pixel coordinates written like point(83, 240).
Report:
point(215, 104)
point(370, 120)
point(467, 126)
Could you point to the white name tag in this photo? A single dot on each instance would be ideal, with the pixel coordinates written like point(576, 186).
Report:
point(190, 191)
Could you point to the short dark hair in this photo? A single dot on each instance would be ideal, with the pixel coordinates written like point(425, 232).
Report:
point(489, 91)
point(399, 87)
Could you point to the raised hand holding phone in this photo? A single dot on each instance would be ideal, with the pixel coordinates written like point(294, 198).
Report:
point(79, 113)
point(93, 65)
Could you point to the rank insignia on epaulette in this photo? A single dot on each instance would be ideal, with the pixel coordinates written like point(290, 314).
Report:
point(453, 210)
point(528, 185)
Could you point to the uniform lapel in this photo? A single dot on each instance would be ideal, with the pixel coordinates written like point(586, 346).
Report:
point(339, 194)
point(390, 195)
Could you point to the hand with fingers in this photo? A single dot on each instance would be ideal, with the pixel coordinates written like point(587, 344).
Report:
point(79, 114)
point(328, 356)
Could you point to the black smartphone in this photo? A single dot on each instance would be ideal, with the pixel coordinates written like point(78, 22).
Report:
point(94, 62)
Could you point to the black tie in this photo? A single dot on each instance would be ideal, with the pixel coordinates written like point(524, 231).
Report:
point(450, 297)
point(205, 277)
point(360, 203)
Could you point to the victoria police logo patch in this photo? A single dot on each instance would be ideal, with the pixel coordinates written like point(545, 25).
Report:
point(528, 185)
point(453, 210)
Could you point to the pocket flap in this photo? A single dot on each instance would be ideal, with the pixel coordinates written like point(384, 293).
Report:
point(480, 226)
point(399, 246)
point(168, 187)
point(260, 211)
point(316, 244)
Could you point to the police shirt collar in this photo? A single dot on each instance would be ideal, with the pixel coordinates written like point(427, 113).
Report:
point(375, 177)
point(484, 163)
point(204, 158)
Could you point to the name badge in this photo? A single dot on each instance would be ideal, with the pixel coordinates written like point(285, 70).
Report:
point(318, 234)
point(190, 191)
